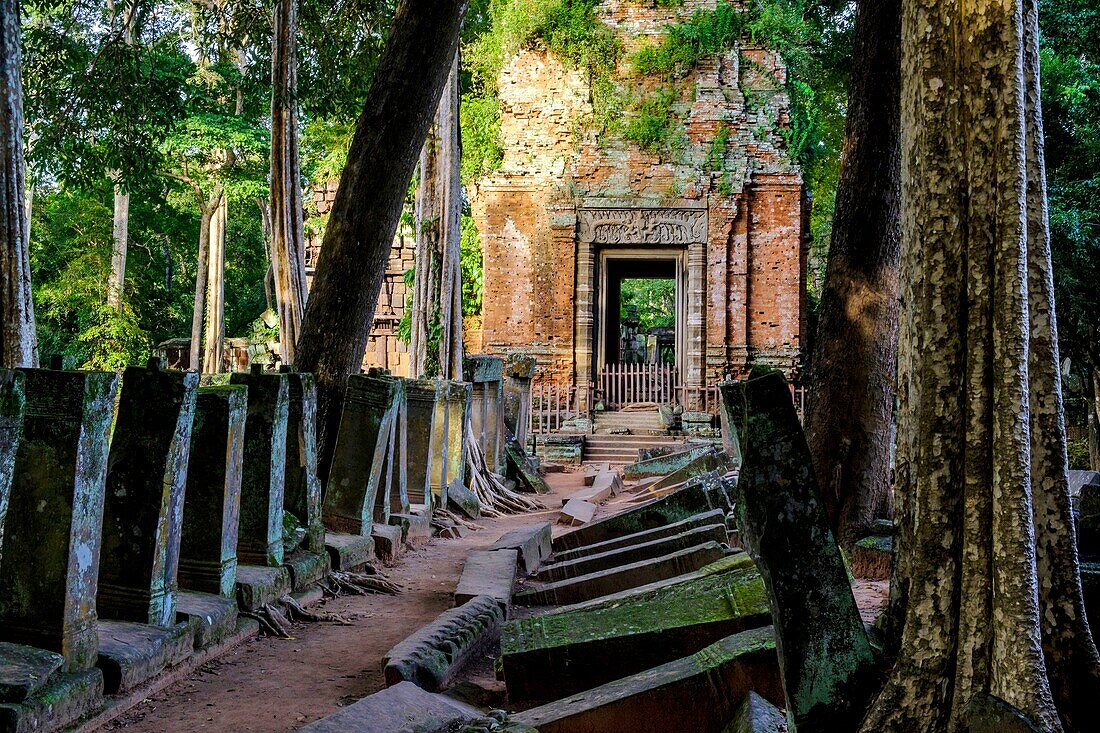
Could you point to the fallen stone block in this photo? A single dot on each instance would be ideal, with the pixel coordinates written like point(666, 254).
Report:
point(347, 552)
point(594, 469)
point(488, 573)
point(65, 699)
point(519, 466)
point(715, 516)
point(664, 464)
point(213, 619)
point(872, 558)
point(259, 585)
point(594, 585)
point(131, 654)
point(576, 512)
point(990, 714)
point(632, 553)
point(825, 655)
point(757, 715)
point(463, 499)
point(532, 543)
point(696, 693)
point(561, 448)
point(561, 653)
point(1080, 478)
point(403, 708)
point(709, 461)
point(603, 488)
point(674, 507)
point(416, 525)
point(306, 569)
point(388, 544)
point(436, 653)
point(25, 670)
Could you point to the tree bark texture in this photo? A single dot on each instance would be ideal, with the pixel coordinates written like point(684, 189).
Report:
point(389, 133)
point(986, 544)
point(18, 341)
point(436, 343)
point(848, 425)
point(213, 354)
point(116, 282)
point(287, 228)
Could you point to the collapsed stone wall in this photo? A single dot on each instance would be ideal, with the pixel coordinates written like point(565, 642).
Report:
point(558, 166)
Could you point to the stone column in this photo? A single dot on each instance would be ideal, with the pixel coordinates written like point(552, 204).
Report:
point(695, 351)
point(49, 564)
point(358, 481)
point(517, 395)
point(12, 404)
point(584, 322)
point(487, 407)
point(143, 509)
point(421, 411)
point(302, 486)
point(263, 474)
point(448, 432)
point(211, 514)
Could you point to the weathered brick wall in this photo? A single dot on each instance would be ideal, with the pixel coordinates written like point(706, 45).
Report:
point(556, 164)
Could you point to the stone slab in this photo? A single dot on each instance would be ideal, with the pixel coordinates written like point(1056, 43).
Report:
point(664, 464)
point(49, 562)
point(213, 618)
point(577, 511)
point(462, 498)
point(520, 468)
point(416, 525)
point(307, 569)
point(403, 708)
point(25, 670)
point(387, 542)
point(594, 585)
point(825, 654)
point(757, 715)
point(531, 542)
point(594, 469)
point(632, 553)
point(12, 405)
point(678, 505)
point(64, 701)
point(132, 653)
point(550, 656)
point(668, 530)
point(705, 463)
point(696, 693)
point(259, 585)
point(436, 653)
point(302, 486)
point(347, 552)
point(598, 493)
point(488, 573)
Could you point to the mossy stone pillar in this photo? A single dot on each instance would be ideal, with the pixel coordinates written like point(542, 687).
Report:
point(360, 480)
point(486, 373)
point(211, 513)
point(422, 412)
point(143, 509)
point(449, 462)
point(12, 404)
point(49, 561)
point(263, 474)
point(518, 372)
point(303, 486)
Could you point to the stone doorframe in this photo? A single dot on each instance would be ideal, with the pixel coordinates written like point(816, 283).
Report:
point(633, 224)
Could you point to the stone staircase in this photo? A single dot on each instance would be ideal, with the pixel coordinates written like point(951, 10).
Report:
point(645, 432)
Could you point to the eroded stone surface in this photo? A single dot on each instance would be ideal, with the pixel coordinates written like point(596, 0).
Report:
point(208, 549)
point(402, 708)
point(213, 619)
point(143, 510)
point(61, 703)
point(258, 585)
point(12, 404)
point(532, 543)
point(668, 530)
point(422, 410)
point(757, 715)
point(24, 670)
point(133, 653)
point(663, 465)
point(49, 563)
point(488, 573)
point(306, 568)
point(302, 487)
point(348, 552)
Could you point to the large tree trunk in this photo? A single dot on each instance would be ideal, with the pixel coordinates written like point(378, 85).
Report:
point(213, 360)
point(287, 235)
point(848, 424)
point(399, 108)
point(120, 241)
point(435, 349)
point(18, 342)
point(206, 211)
point(986, 543)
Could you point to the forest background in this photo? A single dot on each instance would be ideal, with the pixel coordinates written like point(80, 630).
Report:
point(169, 100)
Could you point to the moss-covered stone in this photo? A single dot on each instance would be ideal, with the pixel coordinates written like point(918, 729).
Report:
point(302, 493)
point(65, 700)
point(547, 657)
point(662, 465)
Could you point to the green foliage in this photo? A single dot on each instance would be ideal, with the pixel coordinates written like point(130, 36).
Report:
point(324, 149)
point(655, 299)
point(704, 34)
point(653, 124)
point(472, 272)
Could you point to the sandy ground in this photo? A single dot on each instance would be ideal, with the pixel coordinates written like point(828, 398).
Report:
point(267, 684)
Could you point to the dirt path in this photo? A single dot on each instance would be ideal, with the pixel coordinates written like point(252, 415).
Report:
point(268, 685)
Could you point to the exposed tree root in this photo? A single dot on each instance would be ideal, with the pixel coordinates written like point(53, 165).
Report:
point(492, 495)
point(359, 584)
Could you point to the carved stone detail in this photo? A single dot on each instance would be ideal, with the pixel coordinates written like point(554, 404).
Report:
point(643, 226)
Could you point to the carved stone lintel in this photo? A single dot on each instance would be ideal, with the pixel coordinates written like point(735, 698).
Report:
point(643, 226)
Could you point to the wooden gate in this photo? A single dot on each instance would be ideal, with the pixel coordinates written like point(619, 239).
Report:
point(624, 384)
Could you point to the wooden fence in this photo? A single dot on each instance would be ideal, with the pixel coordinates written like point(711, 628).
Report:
point(623, 384)
point(551, 405)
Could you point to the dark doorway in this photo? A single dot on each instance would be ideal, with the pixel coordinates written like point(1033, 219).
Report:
point(640, 311)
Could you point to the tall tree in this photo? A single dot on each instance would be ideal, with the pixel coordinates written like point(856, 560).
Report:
point(124, 21)
point(213, 360)
point(287, 234)
point(18, 342)
point(848, 424)
point(435, 349)
point(987, 570)
point(383, 154)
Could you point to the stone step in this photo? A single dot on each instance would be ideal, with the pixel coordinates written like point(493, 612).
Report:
point(576, 512)
point(488, 573)
point(715, 516)
point(532, 543)
point(605, 582)
point(697, 693)
point(403, 708)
